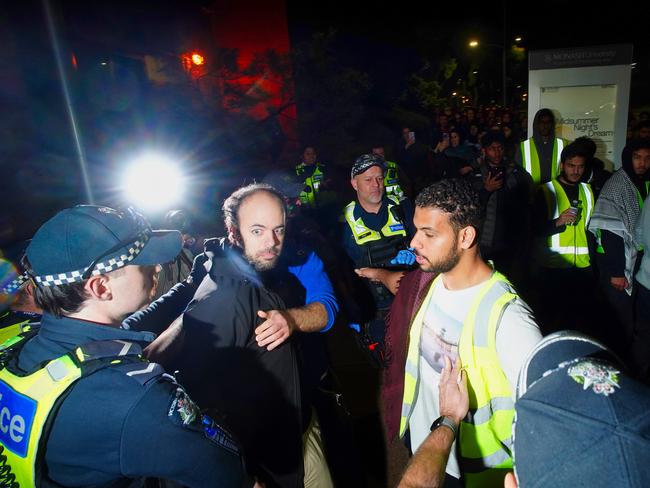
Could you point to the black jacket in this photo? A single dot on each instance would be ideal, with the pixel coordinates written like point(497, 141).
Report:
point(255, 392)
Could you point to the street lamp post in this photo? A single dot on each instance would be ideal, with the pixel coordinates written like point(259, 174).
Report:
point(474, 43)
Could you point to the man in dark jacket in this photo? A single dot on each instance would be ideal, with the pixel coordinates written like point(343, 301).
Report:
point(256, 389)
point(505, 191)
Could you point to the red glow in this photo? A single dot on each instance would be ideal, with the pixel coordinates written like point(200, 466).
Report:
point(74, 62)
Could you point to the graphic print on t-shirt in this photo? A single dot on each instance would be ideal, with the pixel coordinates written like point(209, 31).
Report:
point(440, 337)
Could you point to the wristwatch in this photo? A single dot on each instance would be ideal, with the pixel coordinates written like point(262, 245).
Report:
point(447, 422)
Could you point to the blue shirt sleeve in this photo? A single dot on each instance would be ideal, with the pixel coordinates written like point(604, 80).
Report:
point(318, 286)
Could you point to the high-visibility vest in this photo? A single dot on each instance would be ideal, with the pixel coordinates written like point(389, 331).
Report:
point(391, 180)
point(15, 325)
point(364, 235)
point(569, 248)
point(485, 436)
point(311, 182)
point(28, 400)
point(530, 159)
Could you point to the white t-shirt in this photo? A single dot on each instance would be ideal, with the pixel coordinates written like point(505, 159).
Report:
point(516, 335)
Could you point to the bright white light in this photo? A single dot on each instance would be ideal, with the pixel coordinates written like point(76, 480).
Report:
point(153, 182)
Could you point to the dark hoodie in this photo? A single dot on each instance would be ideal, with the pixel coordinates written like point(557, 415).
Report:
point(544, 149)
point(256, 392)
point(612, 262)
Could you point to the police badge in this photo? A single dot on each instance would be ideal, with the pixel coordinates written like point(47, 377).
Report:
point(600, 377)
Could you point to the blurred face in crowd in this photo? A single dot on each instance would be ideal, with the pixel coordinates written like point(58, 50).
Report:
point(309, 156)
point(494, 153)
point(641, 161)
point(435, 241)
point(261, 229)
point(443, 121)
point(369, 186)
point(573, 169)
point(545, 125)
point(405, 133)
point(454, 138)
point(644, 133)
point(379, 151)
point(470, 115)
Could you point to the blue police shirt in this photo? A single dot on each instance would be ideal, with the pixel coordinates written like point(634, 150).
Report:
point(112, 427)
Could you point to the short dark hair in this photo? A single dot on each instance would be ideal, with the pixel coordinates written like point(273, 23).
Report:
point(588, 145)
point(491, 137)
point(575, 149)
point(60, 300)
point(455, 197)
point(234, 201)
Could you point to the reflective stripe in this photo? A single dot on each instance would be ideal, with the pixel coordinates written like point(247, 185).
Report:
point(363, 235)
point(477, 465)
point(586, 196)
point(558, 146)
point(527, 158)
point(578, 251)
point(483, 414)
point(411, 369)
point(482, 320)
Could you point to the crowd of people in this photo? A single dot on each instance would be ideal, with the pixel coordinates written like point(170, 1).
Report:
point(498, 282)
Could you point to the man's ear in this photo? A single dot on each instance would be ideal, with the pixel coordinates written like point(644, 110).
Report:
point(234, 237)
point(467, 237)
point(99, 287)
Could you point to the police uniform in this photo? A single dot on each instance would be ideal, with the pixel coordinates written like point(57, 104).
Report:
point(391, 181)
point(79, 406)
point(122, 419)
point(372, 240)
point(13, 322)
point(314, 175)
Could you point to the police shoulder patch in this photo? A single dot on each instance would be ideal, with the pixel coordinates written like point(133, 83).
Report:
point(183, 411)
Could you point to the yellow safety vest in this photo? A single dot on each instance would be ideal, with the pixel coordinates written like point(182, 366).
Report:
point(312, 182)
point(28, 400)
point(530, 159)
point(569, 248)
point(485, 436)
point(363, 235)
point(13, 330)
point(391, 181)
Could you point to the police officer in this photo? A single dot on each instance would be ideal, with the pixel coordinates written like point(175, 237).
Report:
point(377, 229)
point(81, 406)
point(393, 175)
point(314, 174)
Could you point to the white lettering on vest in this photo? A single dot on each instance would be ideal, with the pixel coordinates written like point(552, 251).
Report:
point(15, 425)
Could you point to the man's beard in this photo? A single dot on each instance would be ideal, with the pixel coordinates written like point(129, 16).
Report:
point(444, 265)
point(263, 264)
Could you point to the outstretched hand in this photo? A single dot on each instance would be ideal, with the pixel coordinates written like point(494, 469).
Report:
point(454, 399)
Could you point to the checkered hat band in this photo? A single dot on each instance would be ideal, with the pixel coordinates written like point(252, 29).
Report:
point(103, 267)
point(15, 285)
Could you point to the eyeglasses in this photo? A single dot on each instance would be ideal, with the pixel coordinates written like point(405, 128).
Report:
point(144, 229)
